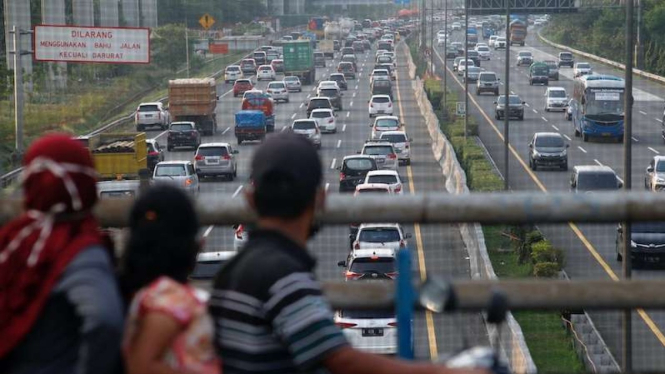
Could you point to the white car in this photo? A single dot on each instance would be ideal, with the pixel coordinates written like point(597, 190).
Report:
point(480, 45)
point(555, 99)
point(278, 91)
point(293, 83)
point(378, 74)
point(265, 72)
point(380, 52)
point(582, 68)
point(401, 143)
point(380, 104)
point(232, 73)
point(492, 40)
point(383, 154)
point(308, 128)
point(180, 174)
point(389, 177)
point(326, 85)
point(372, 263)
point(380, 235)
point(461, 66)
point(457, 26)
point(369, 331)
point(325, 118)
point(384, 123)
point(500, 43)
point(440, 40)
point(483, 52)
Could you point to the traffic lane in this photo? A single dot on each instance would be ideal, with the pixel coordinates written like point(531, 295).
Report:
point(581, 262)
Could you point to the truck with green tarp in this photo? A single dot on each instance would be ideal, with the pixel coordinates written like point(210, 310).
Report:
point(299, 60)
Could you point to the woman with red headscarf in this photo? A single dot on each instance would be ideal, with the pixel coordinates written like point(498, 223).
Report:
point(60, 308)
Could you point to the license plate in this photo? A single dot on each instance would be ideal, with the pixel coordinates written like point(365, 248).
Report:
point(212, 161)
point(148, 115)
point(373, 332)
point(606, 134)
point(379, 111)
point(380, 161)
point(652, 259)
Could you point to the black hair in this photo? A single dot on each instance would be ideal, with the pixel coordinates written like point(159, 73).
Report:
point(280, 196)
point(162, 239)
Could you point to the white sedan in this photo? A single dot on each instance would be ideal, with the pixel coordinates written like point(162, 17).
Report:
point(325, 118)
point(265, 72)
point(389, 177)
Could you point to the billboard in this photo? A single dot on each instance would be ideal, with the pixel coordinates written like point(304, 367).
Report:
point(116, 45)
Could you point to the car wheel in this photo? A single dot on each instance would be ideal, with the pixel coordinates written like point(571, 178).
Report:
point(619, 255)
point(522, 117)
point(169, 148)
point(577, 133)
point(239, 141)
point(564, 167)
point(585, 137)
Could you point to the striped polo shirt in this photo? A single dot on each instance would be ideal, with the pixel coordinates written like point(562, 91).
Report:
point(269, 312)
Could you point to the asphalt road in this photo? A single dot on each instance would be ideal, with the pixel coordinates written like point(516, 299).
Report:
point(590, 249)
point(437, 249)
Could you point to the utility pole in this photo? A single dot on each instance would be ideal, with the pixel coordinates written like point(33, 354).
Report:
point(466, 69)
point(506, 129)
point(627, 331)
point(18, 87)
point(187, 42)
point(422, 25)
point(445, 61)
point(431, 37)
point(639, 45)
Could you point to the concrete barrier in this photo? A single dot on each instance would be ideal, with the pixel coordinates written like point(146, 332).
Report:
point(511, 344)
point(638, 72)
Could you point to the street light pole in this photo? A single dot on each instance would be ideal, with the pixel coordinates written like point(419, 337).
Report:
point(18, 88)
point(506, 106)
point(445, 61)
point(431, 37)
point(466, 69)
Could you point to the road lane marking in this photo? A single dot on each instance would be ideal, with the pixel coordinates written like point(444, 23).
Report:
point(344, 128)
point(535, 111)
point(339, 143)
point(653, 150)
point(431, 334)
point(208, 231)
point(302, 105)
point(356, 86)
point(643, 113)
point(348, 114)
point(284, 128)
point(598, 162)
point(332, 164)
point(590, 248)
point(544, 119)
point(634, 139)
point(555, 128)
point(351, 104)
point(327, 186)
point(659, 120)
point(293, 116)
point(308, 96)
point(354, 95)
point(581, 149)
point(567, 137)
point(161, 134)
point(237, 191)
point(527, 104)
point(314, 88)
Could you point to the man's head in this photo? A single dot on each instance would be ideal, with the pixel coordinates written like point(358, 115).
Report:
point(286, 178)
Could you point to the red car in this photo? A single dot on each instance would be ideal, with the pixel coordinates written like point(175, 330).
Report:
point(242, 85)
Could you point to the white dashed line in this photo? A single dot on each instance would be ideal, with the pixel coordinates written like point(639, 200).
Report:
point(356, 86)
point(659, 120)
point(567, 137)
point(544, 119)
point(598, 162)
point(354, 94)
point(284, 128)
point(302, 105)
point(313, 88)
point(527, 104)
point(643, 113)
point(308, 95)
point(208, 231)
point(634, 139)
point(535, 111)
point(351, 104)
point(344, 128)
point(512, 93)
point(327, 186)
point(348, 114)
point(237, 191)
point(555, 128)
point(339, 143)
point(581, 149)
point(226, 130)
point(653, 150)
point(332, 164)
point(293, 116)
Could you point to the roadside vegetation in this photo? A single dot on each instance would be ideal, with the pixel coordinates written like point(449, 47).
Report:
point(515, 251)
point(602, 32)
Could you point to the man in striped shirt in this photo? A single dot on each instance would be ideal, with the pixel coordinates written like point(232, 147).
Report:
point(269, 312)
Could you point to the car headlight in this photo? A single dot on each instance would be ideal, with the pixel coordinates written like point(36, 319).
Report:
point(633, 244)
point(564, 153)
point(660, 180)
point(536, 154)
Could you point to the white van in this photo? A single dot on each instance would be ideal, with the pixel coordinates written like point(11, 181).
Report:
point(556, 98)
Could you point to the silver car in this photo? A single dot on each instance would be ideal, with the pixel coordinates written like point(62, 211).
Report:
point(382, 152)
point(308, 128)
point(293, 83)
point(212, 159)
point(401, 143)
point(180, 174)
point(278, 91)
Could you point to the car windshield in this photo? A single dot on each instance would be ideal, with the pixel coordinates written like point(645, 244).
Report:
point(551, 64)
point(387, 179)
point(487, 77)
point(329, 92)
point(657, 227)
point(181, 127)
point(549, 141)
point(583, 66)
point(394, 138)
point(170, 171)
point(367, 314)
point(483, 49)
point(604, 102)
point(377, 150)
point(291, 79)
point(212, 151)
point(513, 100)
point(596, 181)
point(359, 164)
point(387, 122)
point(557, 93)
point(337, 78)
point(474, 70)
point(233, 68)
point(148, 108)
point(380, 72)
point(276, 85)
point(117, 194)
point(525, 54)
point(206, 269)
point(242, 82)
point(319, 103)
point(380, 265)
point(660, 166)
point(566, 56)
point(379, 234)
point(304, 125)
point(380, 100)
point(321, 114)
point(373, 190)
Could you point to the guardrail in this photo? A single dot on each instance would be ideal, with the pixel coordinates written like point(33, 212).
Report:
point(638, 72)
point(7, 179)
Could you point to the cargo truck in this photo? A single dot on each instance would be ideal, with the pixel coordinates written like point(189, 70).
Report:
point(517, 32)
point(299, 61)
point(194, 100)
point(118, 155)
point(328, 48)
point(472, 37)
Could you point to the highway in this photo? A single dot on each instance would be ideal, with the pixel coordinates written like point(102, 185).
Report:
point(590, 249)
point(437, 249)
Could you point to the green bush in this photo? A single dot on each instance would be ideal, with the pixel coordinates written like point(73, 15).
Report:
point(544, 252)
point(472, 154)
point(434, 92)
point(546, 269)
point(454, 130)
point(486, 182)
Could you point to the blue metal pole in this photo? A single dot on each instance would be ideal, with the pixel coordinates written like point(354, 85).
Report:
point(404, 305)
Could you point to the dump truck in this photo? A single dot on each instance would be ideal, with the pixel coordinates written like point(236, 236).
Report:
point(299, 61)
point(328, 48)
point(118, 154)
point(250, 125)
point(194, 100)
point(517, 32)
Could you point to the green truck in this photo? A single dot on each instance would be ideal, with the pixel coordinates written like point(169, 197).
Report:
point(299, 60)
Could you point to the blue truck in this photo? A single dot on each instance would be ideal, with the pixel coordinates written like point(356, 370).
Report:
point(472, 35)
point(250, 125)
point(488, 31)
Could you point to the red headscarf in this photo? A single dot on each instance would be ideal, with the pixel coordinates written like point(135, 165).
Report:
point(59, 184)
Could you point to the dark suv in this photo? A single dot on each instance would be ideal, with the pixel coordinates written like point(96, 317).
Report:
point(182, 134)
point(319, 59)
point(353, 170)
point(548, 149)
point(515, 107)
point(318, 103)
point(334, 95)
point(341, 81)
point(473, 56)
point(566, 59)
point(647, 240)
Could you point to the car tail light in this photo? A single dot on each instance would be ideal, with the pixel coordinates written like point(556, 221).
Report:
point(345, 325)
point(226, 157)
point(153, 153)
point(341, 176)
point(188, 182)
point(398, 189)
point(406, 146)
point(392, 324)
point(331, 120)
point(159, 115)
point(193, 134)
point(371, 105)
point(199, 158)
point(390, 105)
point(392, 275)
point(239, 231)
point(316, 130)
point(402, 244)
point(356, 245)
point(352, 276)
point(392, 156)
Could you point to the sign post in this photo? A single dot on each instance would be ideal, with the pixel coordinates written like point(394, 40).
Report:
point(206, 21)
point(461, 109)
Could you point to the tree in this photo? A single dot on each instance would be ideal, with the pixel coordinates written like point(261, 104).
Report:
point(168, 46)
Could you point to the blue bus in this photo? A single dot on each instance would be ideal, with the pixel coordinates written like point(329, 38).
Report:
point(597, 107)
